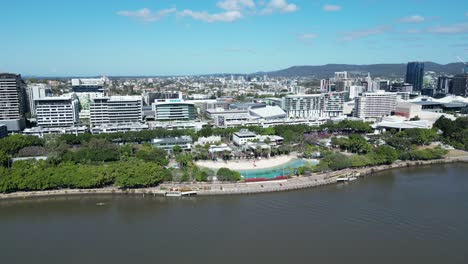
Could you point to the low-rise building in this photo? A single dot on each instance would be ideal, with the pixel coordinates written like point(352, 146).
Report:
point(208, 140)
point(268, 112)
point(243, 136)
point(168, 144)
point(118, 127)
point(41, 131)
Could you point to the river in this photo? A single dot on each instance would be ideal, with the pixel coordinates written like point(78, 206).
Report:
point(410, 215)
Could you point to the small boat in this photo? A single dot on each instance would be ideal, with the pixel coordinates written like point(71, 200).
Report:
point(100, 204)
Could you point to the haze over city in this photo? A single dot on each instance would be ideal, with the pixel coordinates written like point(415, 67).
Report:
point(128, 37)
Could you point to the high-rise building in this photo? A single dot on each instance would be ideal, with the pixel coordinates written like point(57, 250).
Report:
point(355, 90)
point(314, 105)
point(443, 84)
point(12, 101)
point(325, 85)
point(35, 92)
point(116, 110)
point(415, 74)
point(57, 111)
point(374, 105)
point(173, 109)
point(459, 85)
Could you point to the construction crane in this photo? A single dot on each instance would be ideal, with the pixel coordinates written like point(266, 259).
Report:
point(465, 68)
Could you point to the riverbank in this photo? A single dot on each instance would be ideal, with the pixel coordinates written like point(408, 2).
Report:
point(294, 183)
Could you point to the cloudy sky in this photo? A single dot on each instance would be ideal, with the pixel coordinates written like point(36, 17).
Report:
point(177, 37)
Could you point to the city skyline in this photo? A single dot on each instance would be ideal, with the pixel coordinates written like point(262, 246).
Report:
point(88, 38)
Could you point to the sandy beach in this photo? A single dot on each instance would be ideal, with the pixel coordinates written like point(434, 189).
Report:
point(247, 164)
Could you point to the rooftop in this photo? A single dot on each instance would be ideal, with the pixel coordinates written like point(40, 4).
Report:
point(245, 133)
point(172, 140)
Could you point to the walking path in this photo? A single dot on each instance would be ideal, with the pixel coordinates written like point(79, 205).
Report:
point(294, 183)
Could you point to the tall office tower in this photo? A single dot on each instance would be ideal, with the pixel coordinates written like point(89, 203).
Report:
point(57, 111)
point(459, 85)
point(314, 105)
point(374, 105)
point(116, 110)
point(415, 74)
point(325, 85)
point(443, 85)
point(341, 75)
point(34, 92)
point(12, 101)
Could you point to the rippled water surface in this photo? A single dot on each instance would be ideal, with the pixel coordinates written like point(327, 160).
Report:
point(414, 215)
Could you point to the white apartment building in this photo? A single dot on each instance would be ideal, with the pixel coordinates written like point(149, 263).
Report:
point(355, 90)
point(35, 92)
point(57, 111)
point(314, 105)
point(115, 110)
point(374, 105)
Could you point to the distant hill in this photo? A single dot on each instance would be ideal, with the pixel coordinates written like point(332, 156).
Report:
point(382, 70)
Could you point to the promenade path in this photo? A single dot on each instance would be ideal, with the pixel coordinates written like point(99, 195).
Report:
point(294, 183)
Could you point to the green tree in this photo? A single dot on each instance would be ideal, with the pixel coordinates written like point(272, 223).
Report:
point(225, 174)
point(176, 150)
point(151, 154)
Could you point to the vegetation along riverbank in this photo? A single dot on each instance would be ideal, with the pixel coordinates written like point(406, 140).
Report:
point(126, 162)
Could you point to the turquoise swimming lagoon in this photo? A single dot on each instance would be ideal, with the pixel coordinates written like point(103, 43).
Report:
point(269, 173)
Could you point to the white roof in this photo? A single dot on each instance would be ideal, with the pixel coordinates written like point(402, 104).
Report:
point(405, 124)
point(268, 111)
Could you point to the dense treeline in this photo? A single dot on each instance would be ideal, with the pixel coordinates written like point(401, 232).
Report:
point(12, 144)
point(42, 175)
point(405, 145)
point(455, 132)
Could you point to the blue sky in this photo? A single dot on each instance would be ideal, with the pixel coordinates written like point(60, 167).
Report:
point(164, 37)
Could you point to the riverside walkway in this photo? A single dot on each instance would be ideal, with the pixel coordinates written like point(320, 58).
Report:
point(294, 183)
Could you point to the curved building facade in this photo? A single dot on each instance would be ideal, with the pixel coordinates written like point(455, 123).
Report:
point(173, 109)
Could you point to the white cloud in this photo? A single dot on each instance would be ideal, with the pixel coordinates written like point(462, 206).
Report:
point(230, 11)
point(461, 28)
point(281, 6)
point(353, 35)
point(235, 5)
point(412, 19)
point(228, 16)
point(308, 36)
point(331, 8)
point(147, 15)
